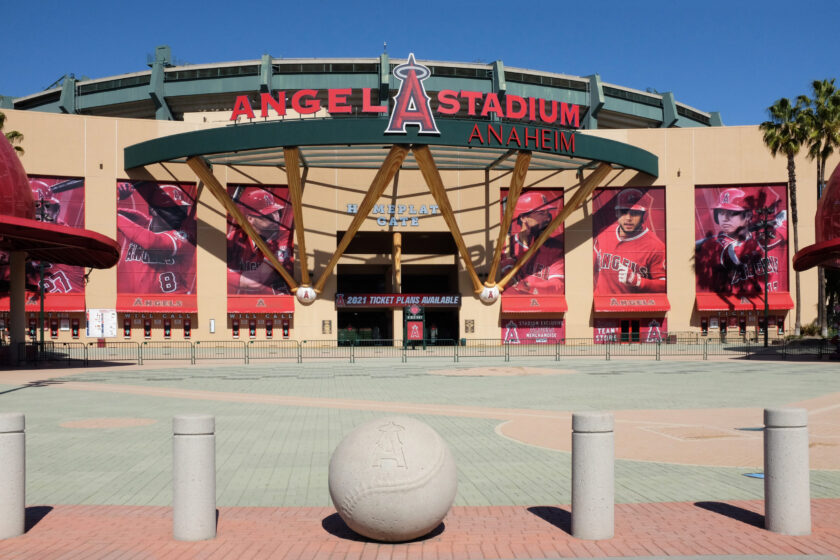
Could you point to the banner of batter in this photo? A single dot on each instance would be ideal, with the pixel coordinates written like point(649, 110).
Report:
point(628, 228)
point(59, 201)
point(733, 226)
point(269, 212)
point(156, 230)
point(544, 273)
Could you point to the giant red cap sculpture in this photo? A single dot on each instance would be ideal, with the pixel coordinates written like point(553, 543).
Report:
point(826, 251)
point(20, 231)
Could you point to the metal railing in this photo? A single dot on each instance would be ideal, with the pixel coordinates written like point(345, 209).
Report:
point(673, 346)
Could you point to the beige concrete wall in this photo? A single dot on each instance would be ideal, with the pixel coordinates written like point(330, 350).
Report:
point(92, 147)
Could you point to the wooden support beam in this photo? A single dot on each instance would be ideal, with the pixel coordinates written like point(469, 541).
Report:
point(292, 158)
point(383, 178)
point(426, 162)
point(585, 189)
point(520, 169)
point(202, 170)
point(397, 262)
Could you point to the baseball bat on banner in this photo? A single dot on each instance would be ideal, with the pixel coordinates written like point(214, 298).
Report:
point(67, 185)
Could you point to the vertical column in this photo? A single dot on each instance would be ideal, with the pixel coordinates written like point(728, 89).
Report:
point(593, 475)
point(194, 477)
point(17, 303)
point(787, 496)
point(12, 475)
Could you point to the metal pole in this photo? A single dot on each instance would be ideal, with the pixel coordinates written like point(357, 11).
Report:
point(766, 274)
point(41, 293)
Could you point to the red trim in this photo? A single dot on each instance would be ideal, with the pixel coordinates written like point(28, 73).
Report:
point(534, 304)
point(261, 304)
point(719, 302)
point(53, 302)
point(157, 303)
point(826, 253)
point(631, 303)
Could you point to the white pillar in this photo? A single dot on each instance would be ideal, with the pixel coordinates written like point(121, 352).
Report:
point(193, 477)
point(17, 303)
point(787, 493)
point(593, 475)
point(12, 475)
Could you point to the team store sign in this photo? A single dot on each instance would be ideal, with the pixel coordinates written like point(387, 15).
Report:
point(412, 107)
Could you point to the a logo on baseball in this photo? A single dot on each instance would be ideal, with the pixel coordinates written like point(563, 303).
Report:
point(489, 294)
point(392, 479)
point(305, 295)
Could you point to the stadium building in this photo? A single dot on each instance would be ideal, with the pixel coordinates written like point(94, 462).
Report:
point(393, 198)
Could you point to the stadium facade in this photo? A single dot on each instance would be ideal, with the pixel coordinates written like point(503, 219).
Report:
point(405, 199)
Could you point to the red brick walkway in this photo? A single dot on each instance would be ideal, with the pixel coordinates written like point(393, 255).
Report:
point(655, 529)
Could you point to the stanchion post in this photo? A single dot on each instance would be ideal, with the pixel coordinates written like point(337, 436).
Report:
point(787, 495)
point(193, 477)
point(593, 475)
point(12, 475)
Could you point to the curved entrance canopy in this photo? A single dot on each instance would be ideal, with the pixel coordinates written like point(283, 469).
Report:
point(362, 143)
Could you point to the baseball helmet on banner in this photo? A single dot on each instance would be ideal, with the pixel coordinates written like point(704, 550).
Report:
point(259, 202)
point(46, 200)
point(734, 200)
point(633, 199)
point(530, 202)
point(170, 196)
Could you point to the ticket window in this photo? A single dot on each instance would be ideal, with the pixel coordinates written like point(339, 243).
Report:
point(704, 326)
point(33, 326)
point(742, 326)
point(53, 328)
point(147, 328)
point(723, 327)
point(126, 328)
point(235, 328)
point(761, 325)
point(74, 328)
point(252, 328)
point(780, 325)
point(167, 328)
point(187, 328)
point(285, 329)
point(269, 328)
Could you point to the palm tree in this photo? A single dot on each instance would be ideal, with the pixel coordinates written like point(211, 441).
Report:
point(821, 119)
point(784, 134)
point(13, 136)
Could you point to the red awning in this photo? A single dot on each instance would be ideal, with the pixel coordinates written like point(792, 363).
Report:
point(534, 304)
point(53, 302)
point(825, 253)
point(719, 302)
point(157, 303)
point(629, 303)
point(261, 304)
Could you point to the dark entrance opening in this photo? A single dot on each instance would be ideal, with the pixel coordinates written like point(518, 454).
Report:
point(630, 329)
point(441, 324)
point(364, 326)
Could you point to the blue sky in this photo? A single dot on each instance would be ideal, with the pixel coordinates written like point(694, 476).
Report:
point(735, 57)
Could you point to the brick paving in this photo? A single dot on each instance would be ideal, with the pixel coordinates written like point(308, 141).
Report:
point(99, 456)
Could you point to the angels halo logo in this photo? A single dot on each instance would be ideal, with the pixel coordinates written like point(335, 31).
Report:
point(414, 310)
point(411, 104)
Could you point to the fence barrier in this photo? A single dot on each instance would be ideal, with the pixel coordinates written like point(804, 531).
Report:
point(689, 345)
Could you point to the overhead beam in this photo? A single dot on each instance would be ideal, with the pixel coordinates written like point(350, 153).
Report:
point(499, 160)
point(586, 187)
point(383, 178)
point(520, 169)
point(292, 158)
point(202, 170)
point(426, 162)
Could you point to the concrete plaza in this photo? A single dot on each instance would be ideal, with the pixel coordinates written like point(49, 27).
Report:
point(687, 434)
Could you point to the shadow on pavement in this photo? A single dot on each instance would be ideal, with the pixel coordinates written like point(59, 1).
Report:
point(734, 512)
point(335, 525)
point(558, 517)
point(34, 515)
point(32, 384)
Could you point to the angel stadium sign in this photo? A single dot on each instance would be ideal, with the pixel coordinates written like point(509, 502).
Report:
point(412, 107)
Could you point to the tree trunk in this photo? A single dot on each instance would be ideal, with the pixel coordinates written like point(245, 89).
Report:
point(794, 217)
point(823, 315)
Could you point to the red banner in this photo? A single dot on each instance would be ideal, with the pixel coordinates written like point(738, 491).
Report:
point(252, 280)
point(741, 241)
point(544, 274)
point(397, 300)
point(628, 228)
point(59, 201)
point(533, 331)
point(156, 230)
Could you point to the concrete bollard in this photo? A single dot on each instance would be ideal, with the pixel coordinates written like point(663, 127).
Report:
point(194, 477)
point(787, 493)
point(593, 475)
point(12, 475)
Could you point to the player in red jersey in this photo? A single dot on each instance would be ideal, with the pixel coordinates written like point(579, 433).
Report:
point(58, 278)
point(630, 258)
point(158, 250)
point(544, 272)
point(732, 262)
point(249, 272)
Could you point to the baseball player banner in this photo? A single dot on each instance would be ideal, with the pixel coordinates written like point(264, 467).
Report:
point(60, 201)
point(533, 331)
point(741, 242)
point(628, 228)
point(156, 230)
point(543, 275)
point(253, 283)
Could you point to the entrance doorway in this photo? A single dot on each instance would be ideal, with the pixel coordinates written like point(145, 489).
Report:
point(441, 323)
point(364, 326)
point(630, 329)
